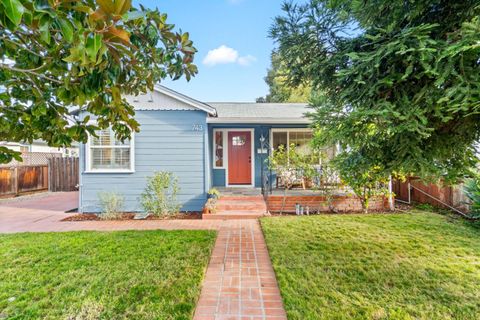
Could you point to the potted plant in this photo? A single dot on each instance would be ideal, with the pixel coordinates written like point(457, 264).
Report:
point(213, 193)
point(210, 206)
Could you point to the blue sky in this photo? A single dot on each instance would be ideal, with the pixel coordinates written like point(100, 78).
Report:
point(238, 30)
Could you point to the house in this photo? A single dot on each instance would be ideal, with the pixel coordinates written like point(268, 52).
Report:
point(40, 146)
point(204, 144)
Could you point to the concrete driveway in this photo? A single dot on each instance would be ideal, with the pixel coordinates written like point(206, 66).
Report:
point(39, 209)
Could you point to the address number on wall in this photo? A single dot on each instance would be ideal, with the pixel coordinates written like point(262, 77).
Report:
point(197, 127)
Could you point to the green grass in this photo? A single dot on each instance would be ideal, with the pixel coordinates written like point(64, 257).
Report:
point(102, 275)
point(403, 266)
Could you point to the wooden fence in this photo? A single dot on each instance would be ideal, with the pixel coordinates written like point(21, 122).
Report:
point(25, 179)
point(61, 174)
point(451, 195)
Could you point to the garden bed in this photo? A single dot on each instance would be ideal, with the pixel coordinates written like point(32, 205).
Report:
point(317, 203)
point(131, 216)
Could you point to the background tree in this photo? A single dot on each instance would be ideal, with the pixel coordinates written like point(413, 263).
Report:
point(400, 80)
point(279, 89)
point(56, 56)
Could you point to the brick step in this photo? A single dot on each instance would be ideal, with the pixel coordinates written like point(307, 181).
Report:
point(241, 198)
point(240, 205)
point(231, 215)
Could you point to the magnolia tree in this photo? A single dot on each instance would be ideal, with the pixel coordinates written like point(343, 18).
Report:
point(57, 56)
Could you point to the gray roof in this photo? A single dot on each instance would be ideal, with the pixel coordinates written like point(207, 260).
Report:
point(260, 112)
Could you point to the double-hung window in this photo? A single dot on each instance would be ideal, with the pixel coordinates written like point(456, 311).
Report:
point(106, 153)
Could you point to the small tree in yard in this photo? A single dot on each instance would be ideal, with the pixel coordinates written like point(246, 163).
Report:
point(160, 194)
point(284, 163)
point(366, 180)
point(327, 185)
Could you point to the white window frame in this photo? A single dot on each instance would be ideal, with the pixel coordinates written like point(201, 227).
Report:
point(287, 130)
point(88, 157)
point(224, 141)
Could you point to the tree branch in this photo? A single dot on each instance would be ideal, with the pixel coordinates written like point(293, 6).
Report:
point(31, 72)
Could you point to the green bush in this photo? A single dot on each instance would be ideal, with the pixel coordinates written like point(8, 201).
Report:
point(111, 204)
point(160, 195)
point(472, 191)
point(366, 180)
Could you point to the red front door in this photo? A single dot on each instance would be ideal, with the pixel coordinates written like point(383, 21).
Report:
point(239, 157)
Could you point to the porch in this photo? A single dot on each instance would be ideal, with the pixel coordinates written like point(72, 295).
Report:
point(253, 203)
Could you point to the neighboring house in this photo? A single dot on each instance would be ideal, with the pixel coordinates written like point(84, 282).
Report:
point(41, 146)
point(203, 144)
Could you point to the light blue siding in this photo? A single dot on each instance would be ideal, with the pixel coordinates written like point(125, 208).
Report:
point(166, 142)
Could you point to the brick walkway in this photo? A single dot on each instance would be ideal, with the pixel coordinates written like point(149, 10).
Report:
point(239, 284)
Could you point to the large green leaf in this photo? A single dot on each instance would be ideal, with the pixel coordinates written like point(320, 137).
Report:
point(94, 42)
point(134, 15)
point(14, 10)
point(67, 29)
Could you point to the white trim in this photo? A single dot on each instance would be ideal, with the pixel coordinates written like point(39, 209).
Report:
point(259, 120)
point(287, 130)
point(224, 141)
point(225, 155)
point(88, 163)
point(183, 98)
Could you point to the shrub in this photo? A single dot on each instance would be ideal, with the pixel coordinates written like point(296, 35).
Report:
point(111, 204)
point(472, 191)
point(366, 180)
point(160, 194)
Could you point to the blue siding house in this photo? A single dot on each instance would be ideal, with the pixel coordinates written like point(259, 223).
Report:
point(204, 144)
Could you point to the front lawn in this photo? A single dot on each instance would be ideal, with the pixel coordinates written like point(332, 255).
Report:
point(398, 266)
point(102, 275)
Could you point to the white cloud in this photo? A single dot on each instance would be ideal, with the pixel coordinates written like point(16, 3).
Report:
point(246, 60)
point(221, 55)
point(225, 55)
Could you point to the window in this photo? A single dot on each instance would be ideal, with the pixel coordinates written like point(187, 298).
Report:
point(106, 153)
point(279, 139)
point(286, 137)
point(218, 149)
point(301, 138)
point(24, 148)
point(238, 141)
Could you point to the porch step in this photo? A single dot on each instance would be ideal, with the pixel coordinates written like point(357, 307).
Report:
point(238, 207)
point(233, 215)
point(241, 198)
point(242, 205)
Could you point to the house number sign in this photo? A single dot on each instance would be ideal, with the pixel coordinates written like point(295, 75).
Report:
point(197, 127)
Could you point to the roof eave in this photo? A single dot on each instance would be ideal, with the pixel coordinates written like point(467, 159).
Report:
point(194, 103)
point(260, 120)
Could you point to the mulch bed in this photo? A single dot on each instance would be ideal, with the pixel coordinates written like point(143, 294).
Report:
point(130, 216)
point(399, 208)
